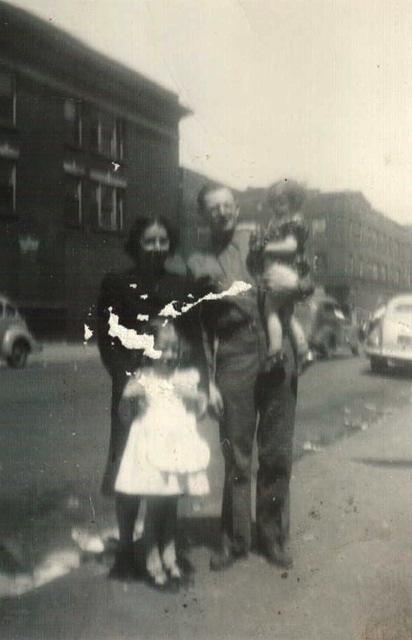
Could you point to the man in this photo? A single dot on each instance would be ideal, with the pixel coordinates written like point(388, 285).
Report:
point(242, 390)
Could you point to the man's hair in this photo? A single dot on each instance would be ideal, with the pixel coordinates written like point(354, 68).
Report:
point(207, 188)
point(294, 191)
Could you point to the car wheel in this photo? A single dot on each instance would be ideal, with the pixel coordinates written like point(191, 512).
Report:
point(328, 347)
point(18, 357)
point(378, 365)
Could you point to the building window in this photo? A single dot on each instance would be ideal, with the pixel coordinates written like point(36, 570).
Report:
point(361, 269)
point(361, 233)
point(356, 231)
point(375, 271)
point(397, 249)
point(349, 265)
point(73, 120)
point(73, 201)
point(318, 226)
point(110, 207)
point(7, 98)
point(7, 189)
point(319, 263)
point(107, 136)
point(383, 273)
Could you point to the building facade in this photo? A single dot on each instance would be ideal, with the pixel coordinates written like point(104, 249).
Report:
point(357, 254)
point(86, 145)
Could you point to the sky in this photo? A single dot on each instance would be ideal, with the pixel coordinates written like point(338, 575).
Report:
point(317, 90)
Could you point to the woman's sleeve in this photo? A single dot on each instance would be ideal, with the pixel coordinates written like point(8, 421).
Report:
point(130, 405)
point(129, 409)
point(115, 357)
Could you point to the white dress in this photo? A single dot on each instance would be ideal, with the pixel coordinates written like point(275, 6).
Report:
point(164, 454)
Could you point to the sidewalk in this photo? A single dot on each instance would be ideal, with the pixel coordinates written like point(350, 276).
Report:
point(352, 578)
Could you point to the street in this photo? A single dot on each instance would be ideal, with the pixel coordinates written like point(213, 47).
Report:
point(350, 518)
point(54, 430)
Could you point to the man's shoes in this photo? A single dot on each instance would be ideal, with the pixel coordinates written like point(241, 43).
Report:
point(225, 558)
point(279, 557)
point(124, 568)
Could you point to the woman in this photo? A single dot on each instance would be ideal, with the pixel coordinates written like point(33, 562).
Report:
point(136, 297)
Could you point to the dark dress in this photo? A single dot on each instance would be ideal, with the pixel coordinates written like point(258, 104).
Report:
point(129, 294)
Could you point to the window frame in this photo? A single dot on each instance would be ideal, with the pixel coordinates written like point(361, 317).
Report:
point(117, 212)
point(80, 194)
point(117, 143)
point(4, 122)
point(13, 180)
point(77, 143)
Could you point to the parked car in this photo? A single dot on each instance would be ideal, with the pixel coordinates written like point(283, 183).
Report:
point(16, 341)
point(389, 336)
point(327, 326)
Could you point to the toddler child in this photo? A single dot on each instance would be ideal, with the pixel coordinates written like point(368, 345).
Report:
point(281, 242)
point(164, 456)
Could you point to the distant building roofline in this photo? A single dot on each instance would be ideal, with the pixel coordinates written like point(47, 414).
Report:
point(26, 37)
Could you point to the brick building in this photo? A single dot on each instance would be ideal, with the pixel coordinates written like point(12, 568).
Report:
point(85, 145)
point(358, 255)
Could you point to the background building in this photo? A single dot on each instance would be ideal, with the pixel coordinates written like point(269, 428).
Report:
point(357, 254)
point(85, 145)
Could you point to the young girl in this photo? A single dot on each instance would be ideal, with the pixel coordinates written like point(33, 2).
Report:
point(283, 241)
point(164, 455)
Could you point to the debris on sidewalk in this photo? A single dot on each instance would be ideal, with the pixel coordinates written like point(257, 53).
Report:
point(309, 446)
point(55, 565)
point(87, 542)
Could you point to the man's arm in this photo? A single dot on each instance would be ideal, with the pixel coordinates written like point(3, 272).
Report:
point(209, 342)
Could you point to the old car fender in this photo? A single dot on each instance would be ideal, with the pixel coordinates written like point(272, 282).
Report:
point(11, 336)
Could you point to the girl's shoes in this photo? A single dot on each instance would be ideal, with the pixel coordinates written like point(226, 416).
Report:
point(170, 582)
point(161, 582)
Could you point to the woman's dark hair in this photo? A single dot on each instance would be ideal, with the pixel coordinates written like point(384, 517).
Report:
point(132, 245)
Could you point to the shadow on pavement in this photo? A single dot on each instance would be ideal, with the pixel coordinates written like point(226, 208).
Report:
point(385, 463)
point(401, 373)
point(199, 532)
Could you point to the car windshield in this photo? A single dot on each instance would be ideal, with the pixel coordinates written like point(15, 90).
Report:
point(403, 308)
point(10, 311)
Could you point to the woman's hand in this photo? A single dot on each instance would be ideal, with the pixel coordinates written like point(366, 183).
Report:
point(132, 407)
point(215, 401)
point(196, 404)
point(201, 405)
